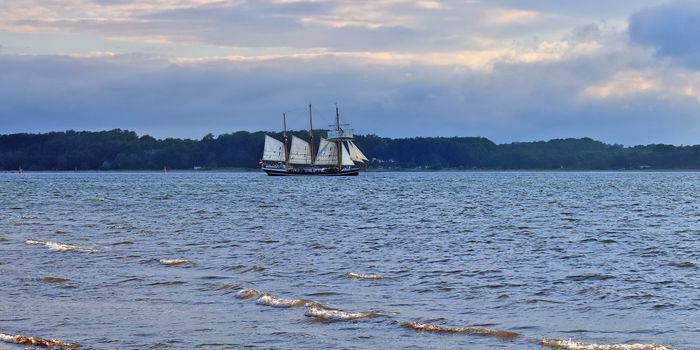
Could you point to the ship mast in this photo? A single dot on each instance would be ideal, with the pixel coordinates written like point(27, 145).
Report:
point(311, 135)
point(338, 143)
point(286, 152)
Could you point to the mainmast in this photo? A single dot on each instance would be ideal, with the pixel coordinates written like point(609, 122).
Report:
point(338, 143)
point(286, 152)
point(311, 134)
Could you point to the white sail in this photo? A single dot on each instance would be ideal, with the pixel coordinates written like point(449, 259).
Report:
point(300, 152)
point(346, 156)
point(274, 150)
point(355, 153)
point(327, 153)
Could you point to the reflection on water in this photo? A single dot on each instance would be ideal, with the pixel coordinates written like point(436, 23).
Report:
point(479, 260)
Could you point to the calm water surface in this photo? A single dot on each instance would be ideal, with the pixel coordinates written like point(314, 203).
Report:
point(603, 258)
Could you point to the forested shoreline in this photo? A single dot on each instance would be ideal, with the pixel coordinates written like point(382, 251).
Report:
point(125, 150)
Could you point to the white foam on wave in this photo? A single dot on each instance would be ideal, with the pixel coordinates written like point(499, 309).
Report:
point(247, 293)
point(271, 300)
point(574, 345)
point(363, 276)
point(61, 247)
point(173, 262)
point(36, 341)
point(429, 327)
point(324, 313)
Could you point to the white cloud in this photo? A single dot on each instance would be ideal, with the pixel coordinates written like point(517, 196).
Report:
point(623, 84)
point(668, 84)
point(507, 16)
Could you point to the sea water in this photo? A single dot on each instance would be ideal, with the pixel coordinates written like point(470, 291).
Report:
point(449, 260)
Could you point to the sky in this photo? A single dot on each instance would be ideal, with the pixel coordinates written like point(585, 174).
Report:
point(623, 72)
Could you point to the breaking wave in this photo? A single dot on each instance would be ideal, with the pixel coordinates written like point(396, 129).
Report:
point(270, 300)
point(573, 345)
point(36, 341)
point(321, 312)
point(363, 276)
point(429, 327)
point(174, 262)
point(61, 247)
point(247, 293)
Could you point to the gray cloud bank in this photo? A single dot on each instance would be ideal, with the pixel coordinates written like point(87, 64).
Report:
point(592, 82)
point(513, 102)
point(673, 28)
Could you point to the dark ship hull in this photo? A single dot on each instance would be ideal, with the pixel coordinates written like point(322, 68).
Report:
point(311, 171)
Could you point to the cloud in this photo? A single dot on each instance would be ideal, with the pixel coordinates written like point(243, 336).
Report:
point(398, 26)
point(503, 16)
point(623, 84)
point(574, 95)
point(667, 84)
point(673, 29)
point(393, 25)
point(509, 70)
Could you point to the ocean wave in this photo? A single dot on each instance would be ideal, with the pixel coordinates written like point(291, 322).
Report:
point(683, 265)
point(36, 341)
point(224, 286)
point(247, 293)
point(363, 276)
point(174, 262)
point(50, 279)
point(429, 327)
point(61, 247)
point(323, 294)
point(271, 300)
point(321, 312)
point(168, 283)
point(245, 268)
point(589, 277)
point(573, 345)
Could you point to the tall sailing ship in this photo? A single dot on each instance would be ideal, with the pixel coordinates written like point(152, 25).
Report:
point(337, 155)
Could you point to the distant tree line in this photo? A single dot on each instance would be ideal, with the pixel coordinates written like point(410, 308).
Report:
point(125, 150)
